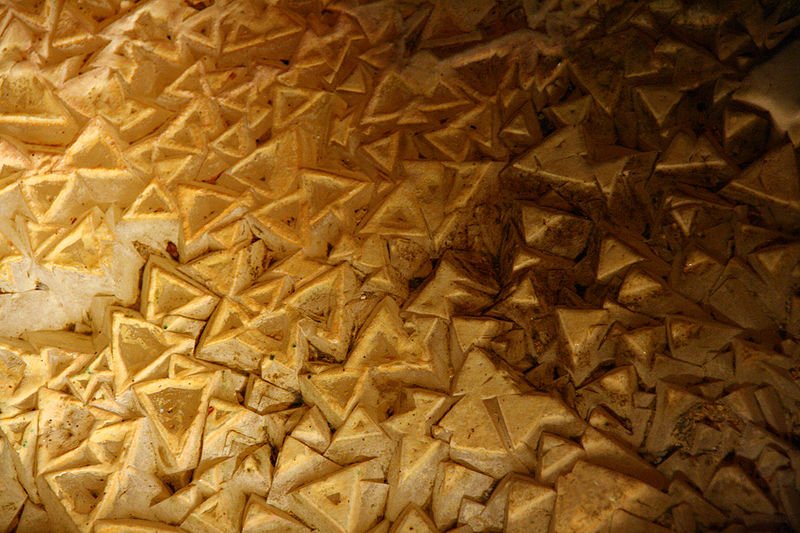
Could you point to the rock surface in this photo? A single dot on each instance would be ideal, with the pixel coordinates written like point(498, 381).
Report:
point(345, 266)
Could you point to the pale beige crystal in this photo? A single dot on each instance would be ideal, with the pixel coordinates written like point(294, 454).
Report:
point(338, 266)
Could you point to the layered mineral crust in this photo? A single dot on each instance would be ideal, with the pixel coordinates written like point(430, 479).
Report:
point(393, 266)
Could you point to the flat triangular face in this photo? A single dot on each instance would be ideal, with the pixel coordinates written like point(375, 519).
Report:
point(322, 297)
point(80, 384)
point(694, 160)
point(13, 366)
point(452, 143)
point(174, 295)
point(203, 29)
point(21, 432)
point(416, 520)
point(30, 109)
point(297, 464)
point(356, 82)
point(335, 498)
point(229, 271)
point(470, 330)
point(359, 439)
point(42, 191)
point(227, 319)
point(289, 102)
point(396, 216)
point(100, 363)
point(91, 386)
point(614, 257)
point(773, 178)
point(383, 341)
point(323, 190)
point(313, 430)
point(84, 246)
point(423, 407)
point(18, 428)
point(259, 516)
point(267, 294)
point(230, 430)
point(697, 341)
point(152, 202)
point(13, 157)
point(335, 389)
point(182, 366)
point(385, 152)
point(222, 511)
point(97, 147)
point(202, 206)
point(64, 424)
point(475, 442)
point(583, 328)
point(177, 408)
point(140, 155)
point(110, 442)
point(189, 133)
point(235, 143)
point(74, 32)
point(169, 292)
point(517, 126)
point(80, 490)
point(135, 345)
point(660, 102)
point(189, 85)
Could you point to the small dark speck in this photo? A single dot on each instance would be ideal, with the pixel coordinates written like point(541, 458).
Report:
point(172, 250)
point(285, 62)
point(199, 6)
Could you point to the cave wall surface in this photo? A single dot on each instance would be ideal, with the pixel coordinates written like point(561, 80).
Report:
point(349, 266)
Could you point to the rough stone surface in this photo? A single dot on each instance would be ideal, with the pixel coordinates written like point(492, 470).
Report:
point(350, 266)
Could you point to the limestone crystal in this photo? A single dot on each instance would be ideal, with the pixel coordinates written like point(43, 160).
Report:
point(392, 266)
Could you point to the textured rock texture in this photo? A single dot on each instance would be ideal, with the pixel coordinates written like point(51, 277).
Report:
point(448, 265)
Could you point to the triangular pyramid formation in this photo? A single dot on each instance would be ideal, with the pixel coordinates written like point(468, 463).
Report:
point(382, 267)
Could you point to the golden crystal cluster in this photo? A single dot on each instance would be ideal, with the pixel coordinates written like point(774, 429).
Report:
point(400, 265)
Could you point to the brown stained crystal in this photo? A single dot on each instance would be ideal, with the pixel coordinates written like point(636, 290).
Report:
point(355, 266)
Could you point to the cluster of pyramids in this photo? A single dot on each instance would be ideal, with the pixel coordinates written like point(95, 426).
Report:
point(395, 266)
